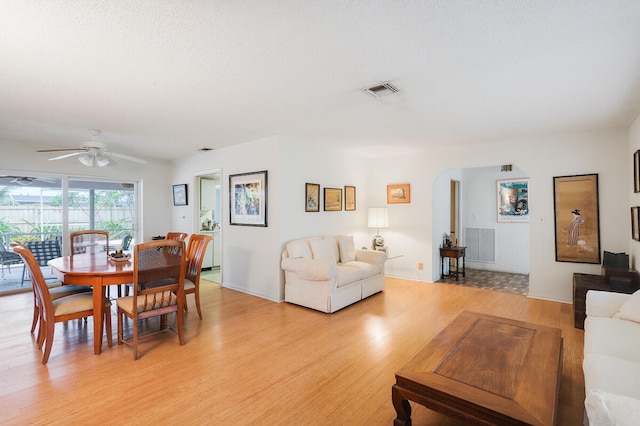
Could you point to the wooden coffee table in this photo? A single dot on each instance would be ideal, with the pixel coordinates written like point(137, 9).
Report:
point(485, 370)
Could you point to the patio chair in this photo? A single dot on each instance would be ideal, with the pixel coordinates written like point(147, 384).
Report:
point(43, 252)
point(195, 255)
point(7, 258)
point(158, 289)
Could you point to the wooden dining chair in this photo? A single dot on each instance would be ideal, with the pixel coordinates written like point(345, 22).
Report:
point(55, 292)
point(195, 255)
point(158, 289)
point(178, 236)
point(89, 241)
point(62, 309)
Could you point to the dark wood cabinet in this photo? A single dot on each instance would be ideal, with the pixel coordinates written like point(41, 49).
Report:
point(585, 282)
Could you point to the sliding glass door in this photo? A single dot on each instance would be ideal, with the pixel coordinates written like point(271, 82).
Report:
point(47, 208)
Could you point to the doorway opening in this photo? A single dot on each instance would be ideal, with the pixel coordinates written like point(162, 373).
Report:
point(209, 222)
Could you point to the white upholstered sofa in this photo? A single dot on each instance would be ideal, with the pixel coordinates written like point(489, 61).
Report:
point(612, 359)
point(327, 273)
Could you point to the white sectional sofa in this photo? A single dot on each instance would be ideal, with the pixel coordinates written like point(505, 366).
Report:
point(327, 273)
point(612, 359)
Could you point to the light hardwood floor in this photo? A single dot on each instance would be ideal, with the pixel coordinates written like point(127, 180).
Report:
point(252, 361)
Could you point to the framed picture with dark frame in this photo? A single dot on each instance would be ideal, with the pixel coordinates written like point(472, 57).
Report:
point(180, 195)
point(399, 194)
point(635, 223)
point(577, 221)
point(333, 199)
point(350, 198)
point(636, 171)
point(311, 197)
point(248, 199)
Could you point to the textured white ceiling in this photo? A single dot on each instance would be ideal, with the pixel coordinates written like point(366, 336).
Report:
point(162, 78)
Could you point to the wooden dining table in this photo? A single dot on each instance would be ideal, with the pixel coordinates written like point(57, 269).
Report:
point(98, 271)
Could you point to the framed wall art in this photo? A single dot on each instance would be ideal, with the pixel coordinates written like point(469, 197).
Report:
point(399, 194)
point(636, 171)
point(180, 195)
point(248, 199)
point(349, 198)
point(332, 199)
point(635, 223)
point(311, 197)
point(577, 221)
point(513, 200)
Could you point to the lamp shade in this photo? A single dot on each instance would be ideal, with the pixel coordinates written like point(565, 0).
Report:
point(378, 217)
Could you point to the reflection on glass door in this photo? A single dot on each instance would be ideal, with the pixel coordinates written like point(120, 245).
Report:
point(108, 206)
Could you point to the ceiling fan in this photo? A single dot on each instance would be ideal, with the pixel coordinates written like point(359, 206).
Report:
point(93, 153)
point(27, 180)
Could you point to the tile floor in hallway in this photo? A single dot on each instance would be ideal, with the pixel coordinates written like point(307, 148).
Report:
point(491, 280)
point(211, 275)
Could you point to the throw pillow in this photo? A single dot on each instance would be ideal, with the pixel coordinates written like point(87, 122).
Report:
point(324, 250)
point(630, 310)
point(299, 249)
point(347, 249)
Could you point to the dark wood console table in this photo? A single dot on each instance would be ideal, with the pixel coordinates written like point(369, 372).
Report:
point(452, 253)
point(585, 282)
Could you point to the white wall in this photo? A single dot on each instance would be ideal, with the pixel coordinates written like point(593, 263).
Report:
point(604, 152)
point(153, 178)
point(251, 255)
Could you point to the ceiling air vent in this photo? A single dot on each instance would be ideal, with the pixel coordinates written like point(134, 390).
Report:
point(381, 90)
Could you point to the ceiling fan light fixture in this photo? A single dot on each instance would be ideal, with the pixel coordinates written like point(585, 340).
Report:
point(87, 159)
point(101, 161)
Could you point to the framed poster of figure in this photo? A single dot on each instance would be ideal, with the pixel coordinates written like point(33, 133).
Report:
point(577, 221)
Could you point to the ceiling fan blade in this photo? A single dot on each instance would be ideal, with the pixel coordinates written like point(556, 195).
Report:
point(58, 150)
point(128, 157)
point(46, 180)
point(66, 155)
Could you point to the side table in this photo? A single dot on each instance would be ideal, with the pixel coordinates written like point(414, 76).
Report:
point(583, 283)
point(452, 253)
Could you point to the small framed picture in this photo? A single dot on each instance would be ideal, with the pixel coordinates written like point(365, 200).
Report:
point(636, 171)
point(350, 198)
point(312, 197)
point(333, 199)
point(399, 194)
point(635, 223)
point(180, 195)
point(248, 199)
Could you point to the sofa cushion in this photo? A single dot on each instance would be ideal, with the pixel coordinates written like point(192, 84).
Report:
point(299, 249)
point(604, 303)
point(326, 250)
point(605, 408)
point(630, 310)
point(611, 336)
point(347, 275)
point(347, 248)
point(367, 269)
point(611, 374)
